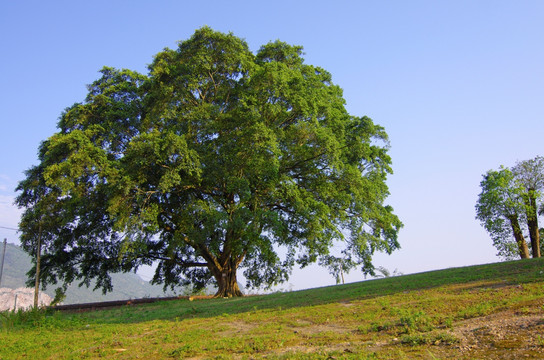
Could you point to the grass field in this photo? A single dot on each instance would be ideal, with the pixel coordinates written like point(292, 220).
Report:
point(479, 312)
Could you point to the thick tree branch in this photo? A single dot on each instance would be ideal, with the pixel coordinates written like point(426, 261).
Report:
point(185, 264)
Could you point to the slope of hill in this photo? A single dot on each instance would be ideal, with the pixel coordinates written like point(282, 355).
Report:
point(125, 286)
point(493, 311)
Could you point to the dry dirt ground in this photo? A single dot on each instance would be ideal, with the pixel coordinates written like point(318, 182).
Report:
point(503, 335)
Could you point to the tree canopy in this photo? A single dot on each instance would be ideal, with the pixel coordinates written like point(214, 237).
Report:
point(508, 207)
point(217, 159)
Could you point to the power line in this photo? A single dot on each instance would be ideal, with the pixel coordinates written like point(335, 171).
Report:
point(8, 228)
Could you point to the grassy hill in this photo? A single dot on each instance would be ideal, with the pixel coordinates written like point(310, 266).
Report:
point(493, 311)
point(126, 286)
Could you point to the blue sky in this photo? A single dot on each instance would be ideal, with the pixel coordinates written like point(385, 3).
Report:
point(458, 86)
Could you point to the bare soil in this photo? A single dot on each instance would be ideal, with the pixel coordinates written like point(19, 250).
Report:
point(504, 335)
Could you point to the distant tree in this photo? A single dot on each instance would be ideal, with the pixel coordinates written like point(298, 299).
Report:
point(218, 159)
point(385, 273)
point(530, 175)
point(500, 209)
point(338, 265)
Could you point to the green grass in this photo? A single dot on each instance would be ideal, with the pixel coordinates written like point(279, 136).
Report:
point(401, 317)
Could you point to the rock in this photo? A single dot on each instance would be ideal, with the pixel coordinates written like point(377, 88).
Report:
point(25, 298)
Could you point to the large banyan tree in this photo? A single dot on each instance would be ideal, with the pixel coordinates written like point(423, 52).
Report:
point(218, 159)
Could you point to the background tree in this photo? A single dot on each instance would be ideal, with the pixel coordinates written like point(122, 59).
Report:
point(218, 159)
point(500, 209)
point(530, 175)
point(510, 197)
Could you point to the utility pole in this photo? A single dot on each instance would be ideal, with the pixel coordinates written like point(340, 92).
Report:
point(38, 257)
point(342, 270)
point(3, 257)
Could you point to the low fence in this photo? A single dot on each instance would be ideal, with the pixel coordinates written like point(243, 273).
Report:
point(118, 303)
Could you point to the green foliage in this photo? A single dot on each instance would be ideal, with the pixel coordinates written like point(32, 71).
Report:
point(214, 160)
point(60, 296)
point(500, 210)
point(414, 321)
point(509, 203)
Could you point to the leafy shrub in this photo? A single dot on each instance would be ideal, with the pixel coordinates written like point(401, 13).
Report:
point(414, 320)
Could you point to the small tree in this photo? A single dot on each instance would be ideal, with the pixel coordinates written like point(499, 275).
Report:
point(214, 161)
point(500, 209)
point(529, 174)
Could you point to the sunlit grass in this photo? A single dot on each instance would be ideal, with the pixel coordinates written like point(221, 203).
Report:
point(399, 317)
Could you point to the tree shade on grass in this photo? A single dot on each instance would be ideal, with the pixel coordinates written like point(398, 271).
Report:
point(218, 159)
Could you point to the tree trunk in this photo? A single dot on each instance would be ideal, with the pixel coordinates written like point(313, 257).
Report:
point(226, 281)
point(223, 269)
point(535, 237)
point(532, 223)
point(520, 240)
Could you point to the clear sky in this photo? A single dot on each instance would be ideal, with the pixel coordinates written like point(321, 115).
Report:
point(458, 86)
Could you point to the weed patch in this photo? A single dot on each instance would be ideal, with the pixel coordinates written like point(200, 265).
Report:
point(476, 310)
point(35, 318)
point(412, 321)
point(429, 339)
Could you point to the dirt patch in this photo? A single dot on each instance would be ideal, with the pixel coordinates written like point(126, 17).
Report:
point(506, 334)
point(485, 285)
point(236, 328)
